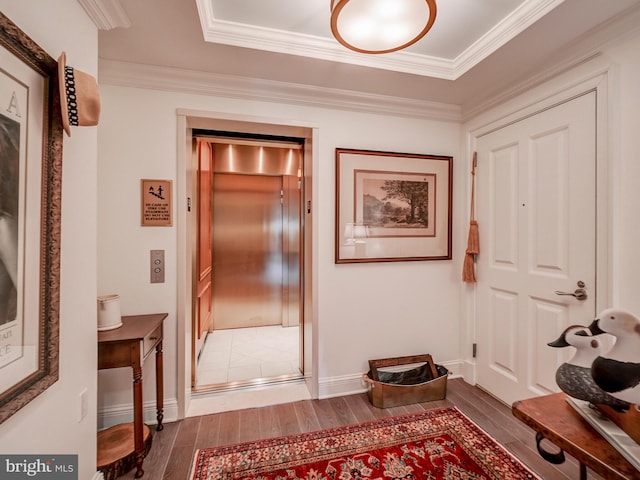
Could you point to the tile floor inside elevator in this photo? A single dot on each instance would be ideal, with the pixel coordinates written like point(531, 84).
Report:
point(245, 354)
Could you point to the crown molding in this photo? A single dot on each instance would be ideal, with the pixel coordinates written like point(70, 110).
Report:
point(520, 19)
point(292, 43)
point(106, 14)
point(168, 79)
point(261, 38)
point(581, 51)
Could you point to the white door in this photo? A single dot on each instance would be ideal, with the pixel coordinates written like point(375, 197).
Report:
point(536, 211)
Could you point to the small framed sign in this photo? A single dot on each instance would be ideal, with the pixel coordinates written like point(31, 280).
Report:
point(156, 203)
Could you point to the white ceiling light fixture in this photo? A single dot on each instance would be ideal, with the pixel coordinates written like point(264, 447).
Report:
point(381, 26)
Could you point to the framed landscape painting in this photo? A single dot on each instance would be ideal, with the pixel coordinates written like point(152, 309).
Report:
point(392, 206)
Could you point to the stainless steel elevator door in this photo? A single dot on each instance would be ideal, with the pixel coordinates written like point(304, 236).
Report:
point(247, 251)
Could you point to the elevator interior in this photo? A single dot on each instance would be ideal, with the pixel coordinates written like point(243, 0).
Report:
point(255, 234)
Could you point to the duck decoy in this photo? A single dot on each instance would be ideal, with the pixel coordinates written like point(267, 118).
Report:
point(618, 371)
point(574, 376)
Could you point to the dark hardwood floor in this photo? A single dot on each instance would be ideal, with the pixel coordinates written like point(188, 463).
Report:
point(174, 447)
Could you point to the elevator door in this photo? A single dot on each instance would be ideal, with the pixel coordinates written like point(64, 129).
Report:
point(247, 251)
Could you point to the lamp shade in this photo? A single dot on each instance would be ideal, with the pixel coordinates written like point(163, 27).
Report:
point(355, 233)
point(360, 232)
point(381, 26)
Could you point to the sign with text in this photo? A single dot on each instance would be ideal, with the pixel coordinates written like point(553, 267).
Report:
point(156, 203)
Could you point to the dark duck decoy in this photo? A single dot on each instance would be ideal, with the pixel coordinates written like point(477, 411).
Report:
point(574, 376)
point(618, 371)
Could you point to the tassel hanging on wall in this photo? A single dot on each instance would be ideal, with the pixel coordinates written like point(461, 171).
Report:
point(473, 242)
point(468, 272)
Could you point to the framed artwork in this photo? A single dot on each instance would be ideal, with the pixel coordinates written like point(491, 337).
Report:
point(156, 203)
point(30, 216)
point(392, 207)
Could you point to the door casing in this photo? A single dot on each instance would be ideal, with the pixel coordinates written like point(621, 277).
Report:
point(187, 120)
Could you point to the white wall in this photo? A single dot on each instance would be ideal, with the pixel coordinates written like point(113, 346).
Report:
point(625, 154)
point(365, 310)
point(49, 424)
point(136, 142)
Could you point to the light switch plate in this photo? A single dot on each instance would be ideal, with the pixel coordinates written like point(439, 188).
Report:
point(157, 266)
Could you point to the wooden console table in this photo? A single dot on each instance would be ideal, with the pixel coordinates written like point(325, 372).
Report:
point(129, 346)
point(551, 417)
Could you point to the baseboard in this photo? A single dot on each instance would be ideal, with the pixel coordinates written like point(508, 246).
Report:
point(468, 371)
point(339, 386)
point(455, 368)
point(328, 387)
point(352, 384)
point(118, 414)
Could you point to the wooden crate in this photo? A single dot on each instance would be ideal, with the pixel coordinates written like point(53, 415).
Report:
point(423, 383)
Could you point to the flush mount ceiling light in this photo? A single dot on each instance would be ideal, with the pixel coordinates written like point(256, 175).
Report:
point(381, 26)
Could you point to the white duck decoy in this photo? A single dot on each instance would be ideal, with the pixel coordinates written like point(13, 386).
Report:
point(574, 376)
point(618, 371)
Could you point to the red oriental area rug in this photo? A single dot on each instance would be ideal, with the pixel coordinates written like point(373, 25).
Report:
point(440, 444)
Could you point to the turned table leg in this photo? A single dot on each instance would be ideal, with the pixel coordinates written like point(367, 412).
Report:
point(137, 420)
point(159, 387)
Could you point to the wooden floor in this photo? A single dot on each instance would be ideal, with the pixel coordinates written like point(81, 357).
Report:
point(174, 447)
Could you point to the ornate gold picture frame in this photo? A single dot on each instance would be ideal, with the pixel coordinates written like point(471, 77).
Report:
point(30, 218)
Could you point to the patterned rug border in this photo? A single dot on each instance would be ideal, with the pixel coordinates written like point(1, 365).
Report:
point(355, 428)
